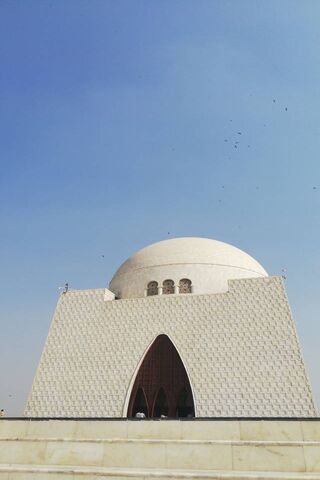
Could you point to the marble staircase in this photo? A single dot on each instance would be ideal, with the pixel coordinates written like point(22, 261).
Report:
point(167, 449)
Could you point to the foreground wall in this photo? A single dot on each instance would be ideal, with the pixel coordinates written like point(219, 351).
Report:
point(239, 348)
point(215, 449)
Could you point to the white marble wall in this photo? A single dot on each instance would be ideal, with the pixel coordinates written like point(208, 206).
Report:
point(240, 350)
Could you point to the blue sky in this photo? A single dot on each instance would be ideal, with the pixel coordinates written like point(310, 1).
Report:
point(119, 121)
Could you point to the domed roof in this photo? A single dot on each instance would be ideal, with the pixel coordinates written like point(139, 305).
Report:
point(204, 261)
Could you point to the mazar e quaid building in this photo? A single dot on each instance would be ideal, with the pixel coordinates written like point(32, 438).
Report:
point(189, 327)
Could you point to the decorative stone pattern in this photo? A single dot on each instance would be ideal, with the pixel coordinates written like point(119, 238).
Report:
point(168, 287)
point(152, 288)
point(185, 285)
point(239, 348)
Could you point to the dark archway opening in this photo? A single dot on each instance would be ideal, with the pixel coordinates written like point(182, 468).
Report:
point(160, 406)
point(162, 387)
point(185, 406)
point(140, 403)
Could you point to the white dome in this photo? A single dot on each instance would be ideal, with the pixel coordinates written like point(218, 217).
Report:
point(209, 264)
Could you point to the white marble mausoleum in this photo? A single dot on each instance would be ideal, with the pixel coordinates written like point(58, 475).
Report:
point(189, 327)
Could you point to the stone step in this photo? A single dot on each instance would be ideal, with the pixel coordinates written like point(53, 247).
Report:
point(286, 456)
point(271, 429)
point(57, 472)
point(122, 449)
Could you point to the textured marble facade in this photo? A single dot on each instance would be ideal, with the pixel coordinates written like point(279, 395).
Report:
point(240, 350)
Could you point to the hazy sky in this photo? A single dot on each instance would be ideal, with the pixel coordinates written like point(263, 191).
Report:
point(119, 121)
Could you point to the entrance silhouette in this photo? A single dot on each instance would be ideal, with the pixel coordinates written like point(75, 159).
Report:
point(162, 386)
point(140, 403)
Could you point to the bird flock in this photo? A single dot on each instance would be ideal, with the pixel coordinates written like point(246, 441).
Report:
point(236, 141)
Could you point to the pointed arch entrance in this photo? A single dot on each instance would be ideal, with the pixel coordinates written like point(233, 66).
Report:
point(162, 385)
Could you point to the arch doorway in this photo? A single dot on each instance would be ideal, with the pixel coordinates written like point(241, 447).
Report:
point(140, 403)
point(162, 386)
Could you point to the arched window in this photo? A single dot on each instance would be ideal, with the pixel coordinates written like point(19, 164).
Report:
point(185, 285)
point(168, 287)
point(152, 288)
